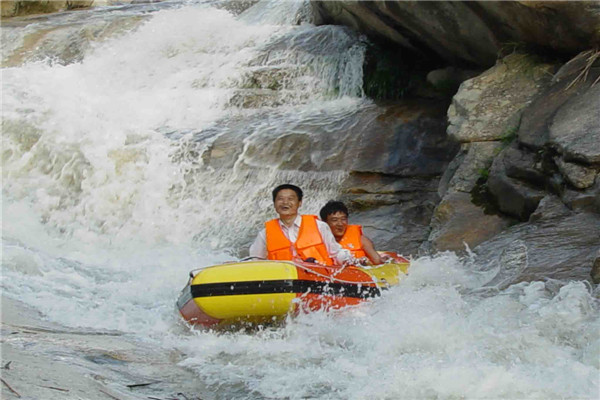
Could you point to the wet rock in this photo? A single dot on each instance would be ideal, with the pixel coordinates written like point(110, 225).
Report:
point(395, 212)
point(404, 232)
point(405, 139)
point(458, 222)
point(549, 208)
point(485, 107)
point(557, 244)
point(393, 155)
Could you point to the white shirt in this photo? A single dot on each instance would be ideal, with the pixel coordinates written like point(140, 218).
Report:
point(259, 247)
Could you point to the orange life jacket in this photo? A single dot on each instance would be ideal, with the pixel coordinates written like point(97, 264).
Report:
point(351, 241)
point(309, 243)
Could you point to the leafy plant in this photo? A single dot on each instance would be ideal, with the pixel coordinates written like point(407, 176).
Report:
point(509, 135)
point(484, 173)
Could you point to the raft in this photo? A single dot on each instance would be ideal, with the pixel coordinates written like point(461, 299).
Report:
point(256, 291)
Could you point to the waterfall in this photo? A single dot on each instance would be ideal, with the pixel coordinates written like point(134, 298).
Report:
point(113, 143)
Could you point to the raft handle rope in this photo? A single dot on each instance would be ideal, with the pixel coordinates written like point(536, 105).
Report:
point(332, 278)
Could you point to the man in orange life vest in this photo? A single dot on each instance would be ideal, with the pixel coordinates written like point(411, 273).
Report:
point(294, 235)
point(351, 237)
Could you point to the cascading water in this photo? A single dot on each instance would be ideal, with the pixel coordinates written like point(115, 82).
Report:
point(118, 179)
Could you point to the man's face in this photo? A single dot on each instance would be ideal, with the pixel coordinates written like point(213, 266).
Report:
point(337, 222)
point(287, 203)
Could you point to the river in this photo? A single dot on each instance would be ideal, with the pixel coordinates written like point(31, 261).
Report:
point(107, 203)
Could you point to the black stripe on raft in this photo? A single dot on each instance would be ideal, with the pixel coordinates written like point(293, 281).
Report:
point(284, 286)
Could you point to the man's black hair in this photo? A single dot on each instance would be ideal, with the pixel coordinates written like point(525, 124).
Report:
point(331, 208)
point(287, 186)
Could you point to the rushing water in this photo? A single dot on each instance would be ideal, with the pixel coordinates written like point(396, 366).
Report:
point(107, 204)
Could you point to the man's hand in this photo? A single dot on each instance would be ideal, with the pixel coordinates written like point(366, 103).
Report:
point(356, 261)
point(385, 258)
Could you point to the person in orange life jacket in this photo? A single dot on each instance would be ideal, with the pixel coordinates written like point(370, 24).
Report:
point(351, 237)
point(294, 235)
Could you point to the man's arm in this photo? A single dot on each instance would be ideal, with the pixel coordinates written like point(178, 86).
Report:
point(259, 247)
point(334, 249)
point(369, 248)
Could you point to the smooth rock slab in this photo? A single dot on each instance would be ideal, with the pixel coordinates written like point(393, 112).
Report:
point(556, 244)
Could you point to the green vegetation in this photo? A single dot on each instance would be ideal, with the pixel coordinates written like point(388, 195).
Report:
point(509, 135)
point(484, 173)
point(393, 73)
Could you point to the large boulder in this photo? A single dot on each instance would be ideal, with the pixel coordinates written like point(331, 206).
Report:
point(565, 114)
point(575, 128)
point(470, 32)
point(487, 107)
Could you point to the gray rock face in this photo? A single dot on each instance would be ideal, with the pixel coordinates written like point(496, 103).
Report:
point(556, 244)
point(485, 106)
point(403, 233)
point(405, 139)
point(556, 146)
point(565, 108)
point(575, 129)
point(473, 32)
point(516, 197)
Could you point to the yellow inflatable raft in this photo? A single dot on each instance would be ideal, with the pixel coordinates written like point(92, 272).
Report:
point(264, 291)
